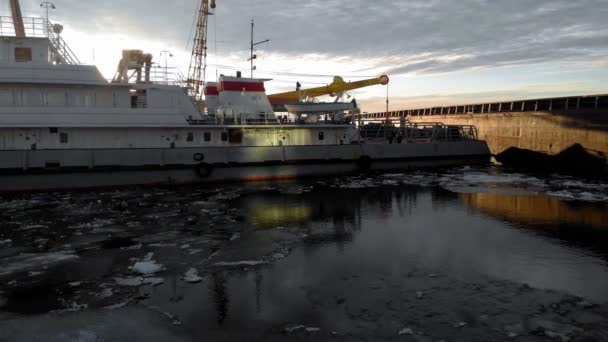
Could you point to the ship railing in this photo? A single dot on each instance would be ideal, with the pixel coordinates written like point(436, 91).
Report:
point(34, 27)
point(160, 74)
point(418, 132)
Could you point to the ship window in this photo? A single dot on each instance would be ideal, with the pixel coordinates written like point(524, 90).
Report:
point(6, 97)
point(23, 54)
point(224, 136)
point(53, 130)
point(190, 137)
point(32, 97)
point(56, 97)
point(321, 135)
point(235, 136)
point(63, 138)
point(207, 136)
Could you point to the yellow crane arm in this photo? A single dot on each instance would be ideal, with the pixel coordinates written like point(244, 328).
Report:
point(336, 87)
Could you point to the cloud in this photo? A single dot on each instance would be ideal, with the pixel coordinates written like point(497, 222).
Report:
point(414, 36)
point(529, 91)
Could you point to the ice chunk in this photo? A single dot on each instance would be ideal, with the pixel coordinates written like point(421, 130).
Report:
point(405, 331)
point(134, 281)
point(191, 276)
point(154, 281)
point(294, 328)
point(132, 248)
point(146, 267)
point(116, 306)
point(6, 242)
point(33, 226)
point(460, 325)
point(107, 292)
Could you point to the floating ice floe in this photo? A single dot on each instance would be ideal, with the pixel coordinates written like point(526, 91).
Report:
point(578, 196)
point(116, 306)
point(153, 281)
point(33, 262)
point(96, 223)
point(134, 281)
point(6, 242)
point(33, 227)
point(301, 327)
point(147, 266)
point(106, 293)
point(74, 307)
point(405, 331)
point(132, 248)
point(191, 276)
point(174, 318)
point(460, 325)
point(239, 263)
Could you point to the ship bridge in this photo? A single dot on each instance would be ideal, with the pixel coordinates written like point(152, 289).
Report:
point(43, 29)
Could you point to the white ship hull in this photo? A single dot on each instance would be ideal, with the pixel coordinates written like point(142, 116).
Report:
point(98, 168)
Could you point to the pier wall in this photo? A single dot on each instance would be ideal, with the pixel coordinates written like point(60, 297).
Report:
point(544, 125)
point(538, 131)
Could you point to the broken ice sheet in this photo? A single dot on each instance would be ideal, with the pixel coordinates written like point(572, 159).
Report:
point(134, 281)
point(147, 266)
point(191, 276)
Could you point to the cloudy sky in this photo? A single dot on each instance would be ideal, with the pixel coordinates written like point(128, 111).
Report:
point(436, 51)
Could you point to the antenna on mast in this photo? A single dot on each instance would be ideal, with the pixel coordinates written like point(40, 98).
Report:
point(252, 56)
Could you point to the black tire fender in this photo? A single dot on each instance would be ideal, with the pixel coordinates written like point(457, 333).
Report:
point(203, 170)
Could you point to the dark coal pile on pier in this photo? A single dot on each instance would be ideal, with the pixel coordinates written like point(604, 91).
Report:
point(478, 254)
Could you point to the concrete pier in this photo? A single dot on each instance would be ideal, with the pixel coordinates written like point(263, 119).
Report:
point(546, 125)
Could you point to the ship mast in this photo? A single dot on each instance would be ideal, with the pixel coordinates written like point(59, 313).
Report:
point(17, 19)
point(198, 60)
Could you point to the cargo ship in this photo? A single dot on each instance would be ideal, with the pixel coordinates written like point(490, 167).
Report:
point(63, 126)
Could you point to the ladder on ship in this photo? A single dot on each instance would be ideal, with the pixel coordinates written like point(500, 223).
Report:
point(61, 52)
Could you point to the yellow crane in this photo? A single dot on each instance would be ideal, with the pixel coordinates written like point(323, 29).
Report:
point(336, 88)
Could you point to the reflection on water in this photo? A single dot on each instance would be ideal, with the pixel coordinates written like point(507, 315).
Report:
point(533, 210)
point(386, 233)
point(470, 234)
point(219, 295)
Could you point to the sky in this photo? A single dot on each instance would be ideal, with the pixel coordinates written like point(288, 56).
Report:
point(437, 52)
